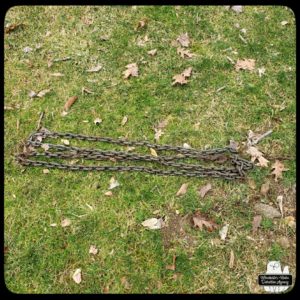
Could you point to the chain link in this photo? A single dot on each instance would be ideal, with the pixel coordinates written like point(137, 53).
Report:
point(35, 143)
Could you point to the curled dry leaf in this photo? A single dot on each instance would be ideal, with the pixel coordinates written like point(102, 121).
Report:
point(246, 64)
point(158, 134)
point(183, 40)
point(223, 232)
point(204, 190)
point(113, 183)
point(124, 120)
point(180, 79)
point(152, 52)
point(45, 147)
point(182, 189)
point(32, 94)
point(172, 267)
point(86, 90)
point(280, 203)
point(283, 23)
point(142, 23)
point(46, 171)
point(153, 223)
point(93, 250)
point(184, 53)
point(65, 222)
point(77, 276)
point(70, 102)
point(278, 169)
point(267, 210)
point(132, 70)
point(153, 152)
point(12, 27)
point(97, 121)
point(231, 259)
point(256, 223)
point(94, 69)
point(257, 155)
point(57, 74)
point(200, 220)
point(265, 188)
point(42, 93)
point(109, 193)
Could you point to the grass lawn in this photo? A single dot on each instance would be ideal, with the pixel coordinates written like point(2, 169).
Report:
point(218, 104)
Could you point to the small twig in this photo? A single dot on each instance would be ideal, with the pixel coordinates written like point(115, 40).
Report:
point(256, 140)
point(270, 157)
point(40, 120)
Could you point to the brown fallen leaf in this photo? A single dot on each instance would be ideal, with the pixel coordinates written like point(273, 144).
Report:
point(109, 193)
point(183, 40)
point(265, 188)
point(278, 169)
point(262, 162)
point(142, 23)
point(246, 64)
point(153, 152)
point(12, 27)
point(45, 147)
point(182, 189)
point(200, 220)
point(257, 155)
point(86, 90)
point(46, 171)
point(172, 267)
point(204, 190)
point(42, 93)
point(77, 276)
point(124, 120)
point(125, 283)
point(179, 79)
point(256, 223)
point(231, 259)
point(184, 53)
point(132, 70)
point(162, 124)
point(141, 41)
point(152, 52)
point(187, 72)
point(70, 102)
point(158, 134)
point(65, 222)
point(93, 250)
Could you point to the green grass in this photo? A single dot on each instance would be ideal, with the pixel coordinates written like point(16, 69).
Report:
point(41, 258)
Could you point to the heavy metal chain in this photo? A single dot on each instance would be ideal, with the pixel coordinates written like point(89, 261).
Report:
point(36, 142)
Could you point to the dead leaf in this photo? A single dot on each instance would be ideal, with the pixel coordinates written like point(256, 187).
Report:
point(231, 259)
point(237, 8)
point(65, 142)
point(158, 134)
point(280, 204)
point(113, 183)
point(267, 210)
point(125, 283)
point(27, 49)
point(204, 190)
point(12, 27)
point(153, 223)
point(142, 23)
point(262, 162)
point(223, 232)
point(65, 222)
point(183, 40)
point(172, 267)
point(94, 69)
point(199, 221)
point(109, 194)
point(256, 223)
point(45, 147)
point(187, 72)
point(53, 225)
point(182, 190)
point(132, 70)
point(179, 79)
point(290, 221)
point(57, 74)
point(32, 94)
point(265, 188)
point(124, 120)
point(152, 52)
point(153, 152)
point(70, 102)
point(278, 169)
point(283, 23)
point(42, 93)
point(77, 276)
point(142, 41)
point(97, 121)
point(261, 71)
point(184, 53)
point(257, 155)
point(163, 124)
point(246, 64)
point(186, 146)
point(233, 144)
point(93, 250)
point(86, 90)
point(46, 171)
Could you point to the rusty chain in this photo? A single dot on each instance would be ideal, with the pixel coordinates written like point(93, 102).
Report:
point(36, 148)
